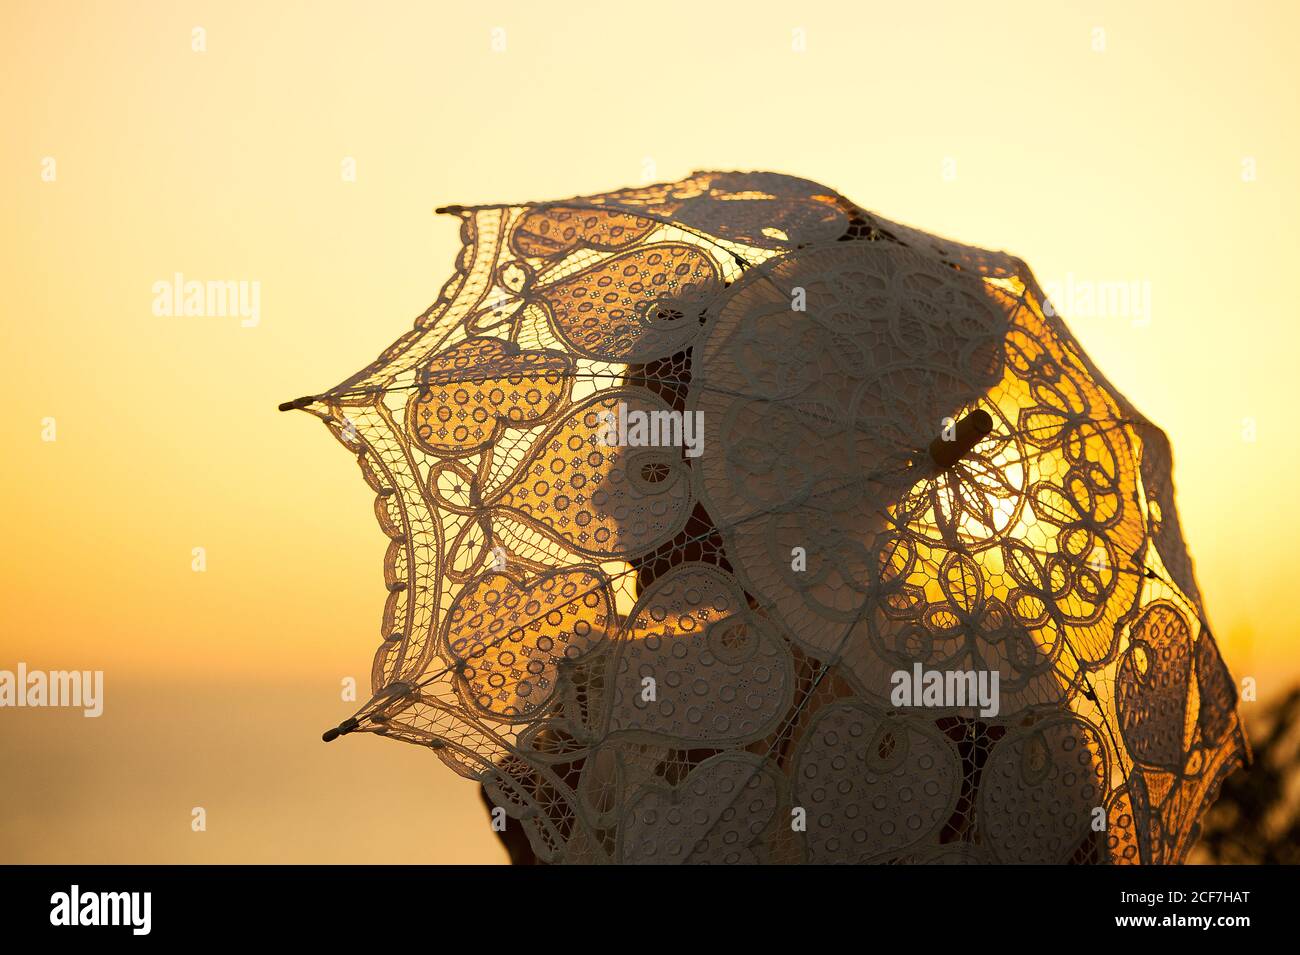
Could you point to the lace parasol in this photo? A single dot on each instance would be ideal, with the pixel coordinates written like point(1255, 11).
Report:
point(729, 522)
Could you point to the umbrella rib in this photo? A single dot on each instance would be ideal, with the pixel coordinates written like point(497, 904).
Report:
point(785, 507)
point(678, 384)
point(727, 392)
point(717, 528)
point(891, 520)
point(741, 261)
point(724, 244)
point(616, 208)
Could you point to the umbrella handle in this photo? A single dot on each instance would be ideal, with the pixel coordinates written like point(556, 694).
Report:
point(969, 431)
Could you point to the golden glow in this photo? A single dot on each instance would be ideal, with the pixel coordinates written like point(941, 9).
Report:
point(1119, 165)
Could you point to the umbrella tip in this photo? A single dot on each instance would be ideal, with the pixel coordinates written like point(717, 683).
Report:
point(297, 403)
point(449, 210)
point(347, 726)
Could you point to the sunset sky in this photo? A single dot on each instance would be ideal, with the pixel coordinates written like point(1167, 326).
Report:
point(1148, 143)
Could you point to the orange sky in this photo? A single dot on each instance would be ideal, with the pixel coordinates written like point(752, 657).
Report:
point(1000, 126)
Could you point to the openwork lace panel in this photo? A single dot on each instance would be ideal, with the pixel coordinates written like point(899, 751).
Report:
point(649, 656)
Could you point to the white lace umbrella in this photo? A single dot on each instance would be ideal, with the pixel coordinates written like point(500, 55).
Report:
point(729, 522)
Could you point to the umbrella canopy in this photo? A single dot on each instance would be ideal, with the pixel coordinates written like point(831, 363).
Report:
point(730, 522)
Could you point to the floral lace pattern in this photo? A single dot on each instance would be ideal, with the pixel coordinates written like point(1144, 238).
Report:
point(647, 656)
